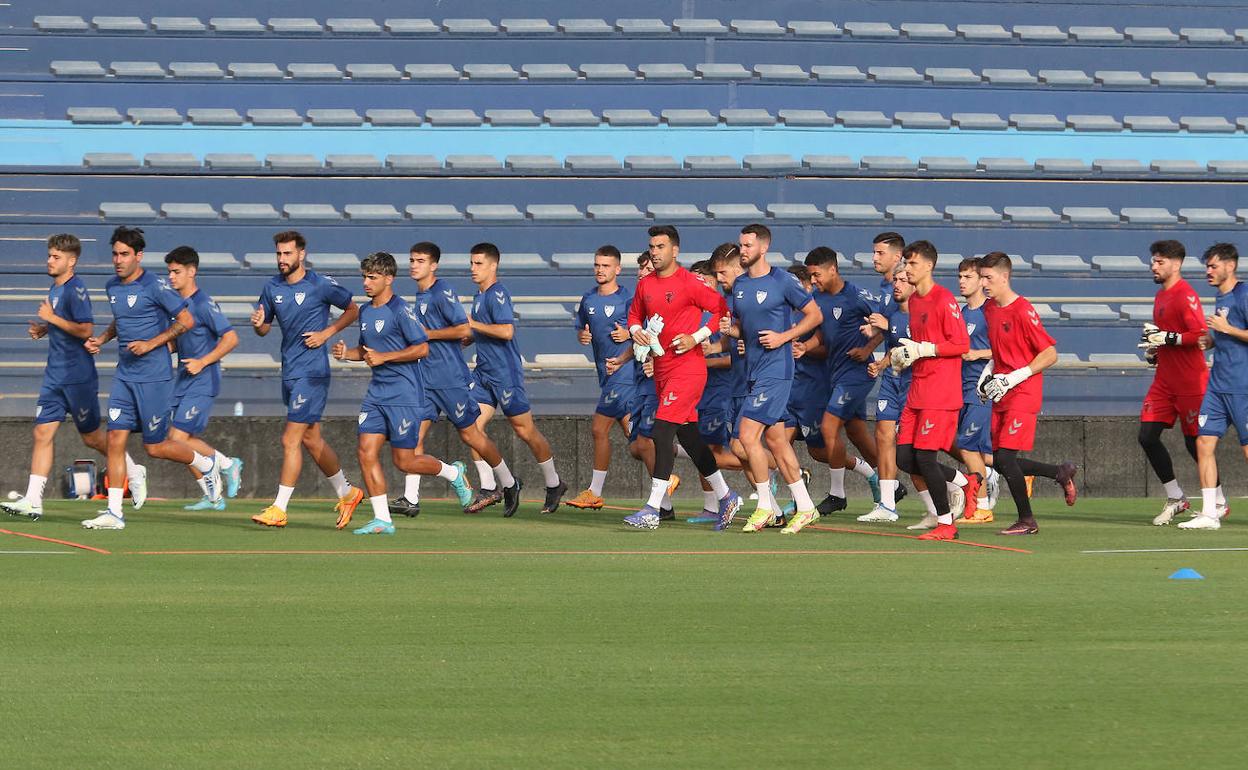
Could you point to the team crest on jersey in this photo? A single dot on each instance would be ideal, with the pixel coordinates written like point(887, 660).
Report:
point(1005, 327)
point(55, 301)
point(881, 405)
point(379, 324)
point(836, 313)
point(970, 328)
point(424, 308)
point(115, 414)
point(300, 296)
point(410, 313)
point(759, 296)
point(131, 299)
point(805, 430)
point(609, 310)
point(363, 417)
point(669, 296)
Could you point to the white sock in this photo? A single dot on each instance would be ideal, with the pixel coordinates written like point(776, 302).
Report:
point(658, 488)
point(34, 489)
point(764, 496)
point(944, 518)
point(1209, 502)
point(201, 463)
point(448, 472)
point(801, 498)
point(926, 497)
point(888, 493)
point(131, 466)
point(485, 474)
point(115, 495)
point(775, 502)
point(411, 487)
point(959, 479)
point(709, 501)
point(503, 474)
point(203, 485)
point(1173, 490)
point(981, 503)
point(836, 487)
point(666, 502)
point(339, 482)
point(718, 486)
point(862, 468)
point(223, 462)
point(283, 496)
point(595, 484)
point(548, 470)
point(1221, 496)
point(381, 509)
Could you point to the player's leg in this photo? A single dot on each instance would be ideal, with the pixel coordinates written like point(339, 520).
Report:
point(972, 441)
point(791, 471)
point(1159, 458)
point(930, 431)
point(154, 408)
point(750, 435)
point(1217, 412)
point(484, 447)
point(114, 477)
point(830, 428)
point(41, 456)
point(408, 503)
point(368, 452)
point(600, 430)
point(205, 503)
point(728, 502)
point(527, 431)
point(863, 439)
point(885, 511)
point(1007, 465)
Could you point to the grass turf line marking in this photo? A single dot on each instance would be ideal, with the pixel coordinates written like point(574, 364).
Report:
point(37, 553)
point(1165, 550)
point(69, 543)
point(916, 537)
point(795, 552)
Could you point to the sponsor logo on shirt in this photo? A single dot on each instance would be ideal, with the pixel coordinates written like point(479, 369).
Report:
point(590, 309)
point(115, 415)
point(277, 299)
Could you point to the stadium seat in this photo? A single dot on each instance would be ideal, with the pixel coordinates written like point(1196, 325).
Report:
point(1067, 78)
point(743, 212)
point(1091, 34)
point(110, 160)
point(926, 31)
point(152, 116)
point(863, 119)
point(854, 212)
point(946, 165)
point(493, 213)
point(630, 118)
point(614, 212)
point(913, 213)
point(1060, 263)
point(119, 24)
point(214, 116)
point(554, 212)
point(393, 117)
point(295, 26)
point(548, 72)
point(1228, 80)
point(254, 71)
point(334, 117)
point(1206, 36)
point(813, 29)
point(675, 212)
point(435, 72)
point(526, 262)
point(993, 33)
point(1203, 216)
point(972, 214)
point(292, 162)
point(665, 72)
point(239, 312)
point(1147, 216)
point(250, 211)
point(921, 120)
point(94, 115)
point(1031, 215)
point(1009, 77)
point(979, 121)
point(127, 211)
point(1115, 359)
point(889, 163)
point(454, 117)
point(563, 360)
point(571, 118)
point(136, 69)
point(314, 71)
point(770, 163)
point(310, 211)
point(171, 160)
point(353, 26)
point(751, 117)
point(721, 72)
point(77, 69)
point(1121, 79)
point(700, 27)
point(236, 26)
point(756, 28)
point(1155, 35)
point(874, 30)
point(806, 118)
point(345, 263)
point(1118, 263)
point(894, 75)
point(435, 212)
point(1137, 313)
point(794, 212)
point(274, 117)
point(1178, 167)
point(475, 27)
point(1229, 167)
point(1119, 166)
point(577, 263)
point(178, 24)
point(591, 163)
point(218, 262)
point(1150, 123)
point(235, 161)
point(490, 72)
point(1089, 215)
point(1207, 125)
point(374, 72)
point(642, 27)
point(1177, 80)
point(60, 24)
point(711, 163)
point(781, 72)
point(530, 164)
point(1030, 122)
point(1093, 123)
point(1063, 167)
point(473, 163)
point(838, 73)
point(1005, 165)
point(196, 70)
point(651, 163)
point(953, 76)
point(584, 27)
point(1043, 309)
point(607, 72)
point(372, 212)
point(682, 118)
point(526, 27)
point(1040, 33)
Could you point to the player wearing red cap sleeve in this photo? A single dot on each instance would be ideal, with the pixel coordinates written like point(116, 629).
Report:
point(929, 421)
point(1021, 351)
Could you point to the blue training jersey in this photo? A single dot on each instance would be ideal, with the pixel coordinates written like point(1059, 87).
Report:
point(1230, 356)
point(69, 362)
point(497, 359)
point(302, 307)
point(844, 313)
point(602, 313)
point(210, 326)
point(438, 308)
point(766, 303)
point(898, 328)
point(977, 330)
point(385, 329)
point(142, 309)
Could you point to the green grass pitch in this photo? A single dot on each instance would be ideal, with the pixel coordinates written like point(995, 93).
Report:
point(573, 641)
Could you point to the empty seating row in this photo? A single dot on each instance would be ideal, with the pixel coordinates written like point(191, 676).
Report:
point(763, 29)
point(675, 118)
point(839, 74)
point(679, 212)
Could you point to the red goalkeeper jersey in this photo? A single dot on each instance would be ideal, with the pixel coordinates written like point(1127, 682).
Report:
point(1181, 368)
point(1016, 337)
point(937, 382)
point(679, 299)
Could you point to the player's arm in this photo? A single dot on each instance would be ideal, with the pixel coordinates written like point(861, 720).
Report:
point(1219, 323)
point(93, 344)
point(350, 312)
point(47, 314)
point(498, 331)
point(876, 321)
point(407, 354)
point(977, 354)
point(225, 343)
point(341, 352)
point(182, 322)
point(454, 333)
point(815, 347)
point(812, 316)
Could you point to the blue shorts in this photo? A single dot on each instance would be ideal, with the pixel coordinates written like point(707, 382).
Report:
point(806, 413)
point(848, 400)
point(975, 428)
point(734, 415)
point(305, 399)
point(766, 402)
point(615, 401)
point(714, 425)
point(641, 421)
point(141, 406)
point(892, 398)
point(400, 424)
point(80, 400)
point(511, 399)
point(1219, 411)
point(456, 403)
point(190, 412)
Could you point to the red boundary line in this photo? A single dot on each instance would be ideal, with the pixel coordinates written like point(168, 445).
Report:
point(54, 540)
point(916, 537)
point(795, 552)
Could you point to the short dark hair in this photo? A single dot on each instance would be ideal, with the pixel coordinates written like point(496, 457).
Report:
point(668, 230)
point(644, 258)
point(801, 272)
point(701, 267)
point(488, 249)
point(922, 249)
point(723, 253)
point(183, 255)
point(130, 236)
point(287, 236)
point(1223, 252)
point(1168, 250)
point(821, 255)
point(758, 231)
point(608, 250)
point(66, 242)
point(427, 247)
point(890, 238)
point(970, 263)
point(380, 263)
point(997, 260)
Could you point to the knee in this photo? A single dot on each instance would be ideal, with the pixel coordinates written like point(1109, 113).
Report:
point(1148, 437)
point(905, 458)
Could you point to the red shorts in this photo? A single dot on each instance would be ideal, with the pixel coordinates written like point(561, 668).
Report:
point(1160, 405)
point(1013, 430)
point(928, 428)
point(679, 396)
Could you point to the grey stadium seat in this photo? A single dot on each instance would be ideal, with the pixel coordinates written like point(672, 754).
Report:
point(722, 72)
point(1064, 167)
point(178, 24)
point(711, 163)
point(323, 262)
point(373, 72)
point(1095, 34)
point(751, 117)
point(1152, 123)
point(1177, 80)
point(493, 213)
point(1207, 125)
point(651, 163)
point(838, 73)
point(1150, 35)
point(700, 27)
point(830, 163)
point(577, 117)
point(854, 212)
point(923, 31)
point(920, 120)
point(1093, 123)
point(353, 26)
point(292, 162)
point(890, 163)
point(250, 211)
point(1060, 263)
point(310, 211)
point(433, 212)
point(77, 69)
point(1040, 33)
point(1119, 166)
point(665, 72)
point(526, 27)
point(1229, 167)
point(574, 262)
point(1119, 263)
point(554, 212)
point(688, 118)
point(913, 213)
point(473, 163)
point(314, 71)
point(352, 162)
point(863, 119)
point(300, 26)
point(512, 118)
point(196, 70)
point(630, 118)
point(1031, 215)
point(773, 163)
point(452, 118)
point(188, 211)
point(1090, 215)
point(612, 211)
point(60, 24)
point(392, 117)
point(984, 32)
point(581, 27)
point(214, 116)
point(171, 160)
point(372, 212)
point(274, 117)
point(675, 212)
point(1093, 311)
point(1033, 122)
point(1005, 165)
point(1206, 36)
point(607, 72)
point(110, 160)
point(94, 115)
point(806, 118)
point(1177, 167)
point(1137, 313)
point(1121, 79)
point(979, 121)
point(1065, 78)
point(1195, 216)
point(642, 27)
point(548, 72)
point(756, 28)
point(539, 311)
point(734, 211)
point(824, 29)
point(436, 72)
point(794, 211)
point(533, 163)
point(900, 75)
point(236, 25)
point(165, 116)
point(136, 69)
point(469, 27)
point(1147, 216)
point(115, 24)
point(219, 261)
point(1009, 77)
point(255, 71)
point(878, 30)
point(972, 214)
point(591, 163)
point(232, 160)
point(131, 211)
point(1230, 80)
point(953, 76)
point(490, 72)
point(781, 72)
point(334, 117)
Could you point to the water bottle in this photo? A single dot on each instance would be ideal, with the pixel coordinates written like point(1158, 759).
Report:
point(238, 408)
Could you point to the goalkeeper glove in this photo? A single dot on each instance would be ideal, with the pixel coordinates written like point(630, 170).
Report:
point(984, 377)
point(1000, 384)
point(909, 351)
point(1153, 337)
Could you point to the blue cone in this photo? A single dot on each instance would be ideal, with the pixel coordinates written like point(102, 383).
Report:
point(1187, 574)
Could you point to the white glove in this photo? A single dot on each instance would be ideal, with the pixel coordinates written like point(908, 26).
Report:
point(1153, 337)
point(1000, 384)
point(908, 351)
point(984, 377)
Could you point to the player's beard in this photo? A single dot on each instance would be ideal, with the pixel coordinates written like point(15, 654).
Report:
point(292, 267)
point(1158, 279)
